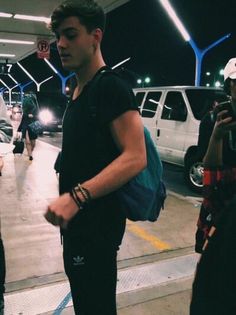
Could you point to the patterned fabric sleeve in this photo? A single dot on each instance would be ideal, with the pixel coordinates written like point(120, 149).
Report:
point(219, 188)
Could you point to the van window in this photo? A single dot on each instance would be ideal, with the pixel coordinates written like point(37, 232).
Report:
point(174, 107)
point(201, 100)
point(139, 98)
point(151, 103)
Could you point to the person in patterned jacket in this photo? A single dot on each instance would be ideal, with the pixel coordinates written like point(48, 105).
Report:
point(227, 154)
point(215, 280)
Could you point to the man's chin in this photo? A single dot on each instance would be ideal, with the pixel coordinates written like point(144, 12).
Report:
point(67, 66)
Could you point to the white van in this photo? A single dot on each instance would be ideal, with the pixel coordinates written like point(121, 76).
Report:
point(172, 115)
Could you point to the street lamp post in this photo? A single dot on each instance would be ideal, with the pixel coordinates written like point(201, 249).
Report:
point(59, 74)
point(199, 53)
point(38, 84)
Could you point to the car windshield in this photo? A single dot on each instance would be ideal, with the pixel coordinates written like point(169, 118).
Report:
point(201, 100)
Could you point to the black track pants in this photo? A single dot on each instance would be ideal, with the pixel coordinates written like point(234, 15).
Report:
point(92, 273)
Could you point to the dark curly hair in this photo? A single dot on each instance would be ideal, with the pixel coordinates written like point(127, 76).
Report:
point(89, 13)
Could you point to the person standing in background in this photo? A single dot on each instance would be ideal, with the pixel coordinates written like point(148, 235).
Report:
point(30, 112)
point(214, 285)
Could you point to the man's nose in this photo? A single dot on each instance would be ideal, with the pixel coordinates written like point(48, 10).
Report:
point(61, 42)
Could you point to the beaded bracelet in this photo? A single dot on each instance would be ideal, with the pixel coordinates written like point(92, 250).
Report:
point(87, 193)
point(84, 192)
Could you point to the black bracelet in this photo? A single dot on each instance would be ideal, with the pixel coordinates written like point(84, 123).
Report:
point(81, 202)
point(73, 197)
point(76, 200)
point(85, 193)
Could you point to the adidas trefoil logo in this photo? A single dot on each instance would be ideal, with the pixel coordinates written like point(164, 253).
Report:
point(78, 261)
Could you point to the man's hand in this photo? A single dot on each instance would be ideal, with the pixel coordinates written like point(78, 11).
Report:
point(61, 211)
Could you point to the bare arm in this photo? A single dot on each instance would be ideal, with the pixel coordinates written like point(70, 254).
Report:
point(127, 131)
point(214, 154)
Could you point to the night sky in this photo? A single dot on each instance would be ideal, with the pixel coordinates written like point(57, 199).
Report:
point(142, 30)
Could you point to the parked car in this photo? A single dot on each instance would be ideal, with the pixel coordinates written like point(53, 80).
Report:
point(173, 114)
point(51, 110)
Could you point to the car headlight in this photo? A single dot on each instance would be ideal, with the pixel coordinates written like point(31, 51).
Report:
point(45, 116)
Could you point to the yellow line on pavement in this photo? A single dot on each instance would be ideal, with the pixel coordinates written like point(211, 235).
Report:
point(132, 227)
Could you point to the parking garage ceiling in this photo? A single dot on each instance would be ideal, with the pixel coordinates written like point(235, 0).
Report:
point(12, 28)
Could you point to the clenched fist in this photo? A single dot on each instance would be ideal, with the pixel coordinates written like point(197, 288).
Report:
point(61, 211)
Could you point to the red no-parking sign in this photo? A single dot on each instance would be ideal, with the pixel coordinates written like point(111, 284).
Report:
point(43, 48)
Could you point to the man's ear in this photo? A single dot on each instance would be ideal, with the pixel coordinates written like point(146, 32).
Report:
point(98, 34)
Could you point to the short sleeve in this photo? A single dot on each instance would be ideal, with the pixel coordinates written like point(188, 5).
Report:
point(115, 98)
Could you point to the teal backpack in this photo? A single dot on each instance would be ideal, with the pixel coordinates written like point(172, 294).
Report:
point(142, 198)
point(144, 195)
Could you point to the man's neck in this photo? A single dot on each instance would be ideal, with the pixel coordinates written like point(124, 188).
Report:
point(86, 73)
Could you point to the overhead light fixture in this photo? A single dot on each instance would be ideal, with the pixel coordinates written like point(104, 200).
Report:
point(121, 63)
point(32, 18)
point(14, 41)
point(13, 79)
point(6, 15)
point(7, 55)
point(50, 65)
point(172, 14)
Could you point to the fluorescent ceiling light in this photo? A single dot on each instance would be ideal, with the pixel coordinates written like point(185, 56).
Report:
point(4, 84)
point(25, 71)
point(13, 41)
point(50, 65)
point(121, 63)
point(13, 79)
point(6, 15)
point(172, 14)
point(32, 18)
point(7, 55)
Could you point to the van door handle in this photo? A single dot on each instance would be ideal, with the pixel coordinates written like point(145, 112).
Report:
point(158, 132)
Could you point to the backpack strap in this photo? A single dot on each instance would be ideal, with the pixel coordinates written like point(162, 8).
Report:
point(94, 90)
point(102, 134)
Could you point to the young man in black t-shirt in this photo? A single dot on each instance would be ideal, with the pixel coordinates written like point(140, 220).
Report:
point(103, 148)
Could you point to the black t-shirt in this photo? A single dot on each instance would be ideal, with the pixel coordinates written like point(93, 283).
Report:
point(83, 157)
point(205, 131)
